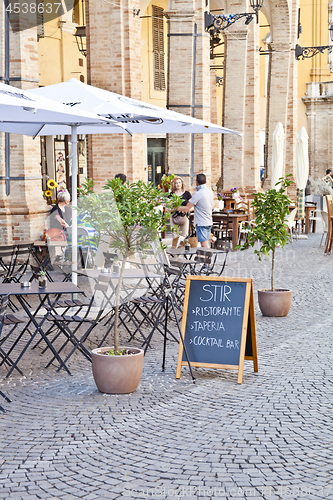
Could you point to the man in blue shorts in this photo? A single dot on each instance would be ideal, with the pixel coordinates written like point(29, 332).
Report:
point(202, 202)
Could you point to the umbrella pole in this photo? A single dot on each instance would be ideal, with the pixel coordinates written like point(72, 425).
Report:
point(74, 202)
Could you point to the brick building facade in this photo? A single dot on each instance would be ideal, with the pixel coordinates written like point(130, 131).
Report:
point(160, 52)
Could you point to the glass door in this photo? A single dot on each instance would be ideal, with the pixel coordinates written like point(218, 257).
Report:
point(156, 160)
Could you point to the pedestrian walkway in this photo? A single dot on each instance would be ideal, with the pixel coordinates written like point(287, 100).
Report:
point(269, 438)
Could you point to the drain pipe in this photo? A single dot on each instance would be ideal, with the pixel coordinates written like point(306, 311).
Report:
point(193, 95)
point(7, 136)
point(74, 164)
point(268, 98)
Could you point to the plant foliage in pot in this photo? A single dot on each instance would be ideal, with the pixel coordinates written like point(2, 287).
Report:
point(270, 231)
point(131, 217)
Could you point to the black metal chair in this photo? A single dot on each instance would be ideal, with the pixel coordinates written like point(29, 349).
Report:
point(83, 245)
point(222, 232)
point(206, 265)
point(11, 321)
point(7, 261)
point(18, 262)
point(109, 259)
point(97, 310)
point(148, 313)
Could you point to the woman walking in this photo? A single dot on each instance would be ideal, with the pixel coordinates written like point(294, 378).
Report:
point(178, 218)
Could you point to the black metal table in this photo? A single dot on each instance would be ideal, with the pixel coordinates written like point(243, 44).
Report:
point(56, 289)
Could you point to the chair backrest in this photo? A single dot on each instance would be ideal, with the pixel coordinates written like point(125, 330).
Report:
point(204, 256)
point(102, 247)
point(81, 231)
point(243, 205)
point(290, 219)
point(35, 271)
point(24, 250)
point(5, 252)
point(324, 216)
point(109, 258)
point(329, 206)
point(328, 200)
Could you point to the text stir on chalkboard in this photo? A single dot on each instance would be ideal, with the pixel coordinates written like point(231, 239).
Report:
point(218, 325)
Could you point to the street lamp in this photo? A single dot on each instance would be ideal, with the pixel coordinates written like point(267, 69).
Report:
point(307, 52)
point(256, 6)
point(218, 23)
point(80, 37)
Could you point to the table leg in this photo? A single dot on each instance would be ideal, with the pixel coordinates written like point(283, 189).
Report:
point(307, 222)
point(314, 221)
point(234, 232)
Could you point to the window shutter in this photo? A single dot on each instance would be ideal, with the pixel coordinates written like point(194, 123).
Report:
point(158, 48)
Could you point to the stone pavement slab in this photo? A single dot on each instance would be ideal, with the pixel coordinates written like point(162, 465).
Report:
point(269, 438)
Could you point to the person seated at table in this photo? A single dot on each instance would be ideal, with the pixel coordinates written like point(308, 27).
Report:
point(61, 213)
point(179, 219)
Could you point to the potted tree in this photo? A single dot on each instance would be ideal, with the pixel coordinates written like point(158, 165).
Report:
point(132, 218)
point(270, 231)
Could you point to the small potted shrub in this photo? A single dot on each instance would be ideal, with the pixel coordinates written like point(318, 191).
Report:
point(132, 218)
point(270, 231)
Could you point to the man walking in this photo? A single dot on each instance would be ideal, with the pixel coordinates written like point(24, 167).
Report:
point(202, 202)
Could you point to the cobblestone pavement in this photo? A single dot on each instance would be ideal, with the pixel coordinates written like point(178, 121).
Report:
point(269, 438)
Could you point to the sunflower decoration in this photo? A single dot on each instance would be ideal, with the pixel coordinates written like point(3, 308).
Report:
point(51, 184)
point(48, 194)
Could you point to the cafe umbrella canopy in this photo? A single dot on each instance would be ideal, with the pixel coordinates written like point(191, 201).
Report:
point(139, 117)
point(302, 170)
point(133, 117)
point(24, 113)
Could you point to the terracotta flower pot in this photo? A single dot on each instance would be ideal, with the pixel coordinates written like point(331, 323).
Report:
point(117, 374)
point(275, 303)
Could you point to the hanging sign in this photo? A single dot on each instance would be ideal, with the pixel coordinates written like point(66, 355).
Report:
point(218, 325)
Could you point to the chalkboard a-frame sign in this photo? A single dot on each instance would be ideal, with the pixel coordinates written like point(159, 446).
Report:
point(218, 325)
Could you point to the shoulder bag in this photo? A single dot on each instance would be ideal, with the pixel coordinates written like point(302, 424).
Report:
point(54, 234)
point(179, 219)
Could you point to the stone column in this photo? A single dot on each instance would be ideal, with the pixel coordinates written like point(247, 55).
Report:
point(114, 64)
point(292, 109)
point(279, 97)
point(185, 18)
point(23, 211)
point(311, 116)
point(283, 93)
point(251, 167)
point(216, 111)
point(236, 54)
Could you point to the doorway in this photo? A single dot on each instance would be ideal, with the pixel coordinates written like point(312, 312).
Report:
point(155, 160)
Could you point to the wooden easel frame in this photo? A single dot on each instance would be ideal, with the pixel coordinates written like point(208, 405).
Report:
point(248, 320)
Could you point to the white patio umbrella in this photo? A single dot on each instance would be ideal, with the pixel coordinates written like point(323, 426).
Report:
point(302, 170)
point(138, 117)
point(22, 112)
point(277, 156)
point(133, 117)
point(25, 113)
